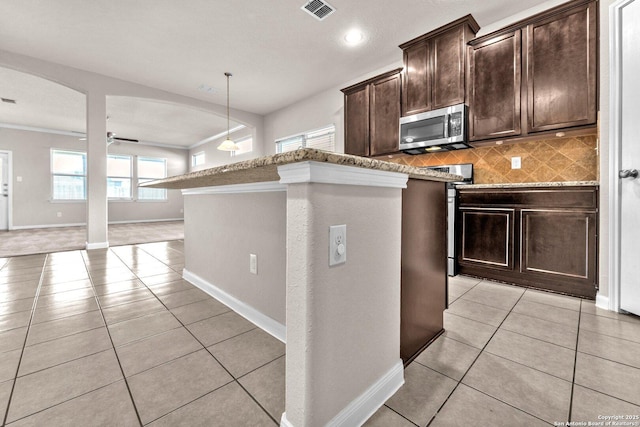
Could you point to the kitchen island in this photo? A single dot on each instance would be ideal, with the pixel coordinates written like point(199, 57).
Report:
point(257, 238)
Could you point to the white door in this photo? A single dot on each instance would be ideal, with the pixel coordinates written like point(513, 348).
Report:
point(4, 191)
point(629, 157)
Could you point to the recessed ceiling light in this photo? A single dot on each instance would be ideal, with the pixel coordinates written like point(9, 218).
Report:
point(206, 89)
point(354, 37)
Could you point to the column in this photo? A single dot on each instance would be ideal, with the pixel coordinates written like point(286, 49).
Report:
point(97, 236)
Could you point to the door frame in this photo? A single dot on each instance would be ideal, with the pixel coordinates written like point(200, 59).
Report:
point(615, 142)
point(10, 188)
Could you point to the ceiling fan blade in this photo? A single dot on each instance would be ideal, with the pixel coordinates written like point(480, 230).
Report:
point(125, 139)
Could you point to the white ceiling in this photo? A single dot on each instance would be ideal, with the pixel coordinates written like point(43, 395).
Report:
point(277, 53)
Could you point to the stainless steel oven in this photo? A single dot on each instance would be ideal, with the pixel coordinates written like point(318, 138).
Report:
point(466, 171)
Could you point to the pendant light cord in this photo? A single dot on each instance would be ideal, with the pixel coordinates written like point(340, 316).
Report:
point(228, 75)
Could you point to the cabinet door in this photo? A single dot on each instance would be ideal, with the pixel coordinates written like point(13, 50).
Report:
point(487, 237)
point(356, 111)
point(385, 115)
point(416, 90)
point(448, 51)
point(494, 88)
point(561, 69)
point(560, 245)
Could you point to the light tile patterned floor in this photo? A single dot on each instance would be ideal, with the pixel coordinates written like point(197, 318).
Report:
point(116, 338)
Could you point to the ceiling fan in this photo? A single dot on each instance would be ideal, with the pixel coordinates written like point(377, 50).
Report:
point(111, 138)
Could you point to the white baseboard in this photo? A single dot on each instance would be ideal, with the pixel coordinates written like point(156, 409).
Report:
point(29, 227)
point(365, 405)
point(146, 220)
point(98, 245)
point(269, 325)
point(602, 302)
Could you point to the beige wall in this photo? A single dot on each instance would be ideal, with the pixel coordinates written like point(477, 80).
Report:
point(222, 230)
point(214, 157)
point(32, 205)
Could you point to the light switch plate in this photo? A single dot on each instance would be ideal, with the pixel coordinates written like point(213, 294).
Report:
point(337, 244)
point(253, 263)
point(516, 162)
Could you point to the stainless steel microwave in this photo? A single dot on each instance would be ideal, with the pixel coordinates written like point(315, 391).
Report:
point(438, 130)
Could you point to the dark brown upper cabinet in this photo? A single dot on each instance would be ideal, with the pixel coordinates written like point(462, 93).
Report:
point(537, 75)
point(372, 115)
point(434, 67)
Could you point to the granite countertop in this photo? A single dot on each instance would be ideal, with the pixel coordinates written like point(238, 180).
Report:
point(264, 169)
point(531, 184)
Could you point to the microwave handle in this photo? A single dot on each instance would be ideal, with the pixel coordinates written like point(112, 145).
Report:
point(446, 125)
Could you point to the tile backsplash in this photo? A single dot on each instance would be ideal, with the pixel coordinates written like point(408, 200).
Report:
point(545, 160)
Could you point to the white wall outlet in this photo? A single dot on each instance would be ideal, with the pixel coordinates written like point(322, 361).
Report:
point(181, 210)
point(516, 162)
point(337, 244)
point(253, 263)
point(19, 178)
point(59, 214)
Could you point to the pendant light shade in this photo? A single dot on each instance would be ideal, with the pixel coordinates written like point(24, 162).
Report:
point(228, 144)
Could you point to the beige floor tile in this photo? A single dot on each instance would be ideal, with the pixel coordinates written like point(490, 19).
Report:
point(64, 309)
point(64, 287)
point(5, 392)
point(161, 278)
point(15, 320)
point(608, 377)
point(386, 417)
point(543, 330)
point(495, 295)
point(52, 386)
point(547, 312)
point(467, 331)
point(122, 312)
point(178, 299)
point(469, 407)
point(219, 328)
point(613, 327)
point(199, 310)
point(478, 312)
point(449, 357)
point(540, 355)
point(147, 353)
point(248, 351)
point(12, 339)
point(541, 395)
point(59, 298)
point(112, 276)
point(16, 306)
point(142, 327)
point(227, 407)
point(422, 394)
point(556, 300)
point(589, 307)
point(107, 406)
point(458, 285)
point(267, 385)
point(170, 287)
point(125, 297)
point(55, 352)
point(62, 327)
point(9, 364)
point(611, 348)
point(115, 287)
point(589, 405)
point(17, 292)
point(175, 384)
point(63, 276)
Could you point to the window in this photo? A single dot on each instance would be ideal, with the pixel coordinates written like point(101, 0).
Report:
point(150, 168)
point(245, 145)
point(321, 139)
point(69, 175)
point(118, 177)
point(197, 159)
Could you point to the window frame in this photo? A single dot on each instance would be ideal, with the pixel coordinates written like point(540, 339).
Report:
point(141, 179)
point(195, 155)
point(240, 141)
point(130, 178)
point(53, 174)
point(303, 138)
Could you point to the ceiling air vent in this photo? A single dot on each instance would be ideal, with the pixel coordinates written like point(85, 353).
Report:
point(319, 9)
point(8, 101)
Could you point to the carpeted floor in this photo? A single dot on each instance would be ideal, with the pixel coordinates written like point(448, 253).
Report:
point(43, 240)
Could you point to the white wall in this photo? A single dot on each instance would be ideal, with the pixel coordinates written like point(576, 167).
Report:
point(32, 205)
point(214, 157)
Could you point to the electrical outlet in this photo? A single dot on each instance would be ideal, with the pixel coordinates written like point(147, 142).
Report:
point(337, 244)
point(181, 210)
point(18, 178)
point(59, 214)
point(516, 162)
point(253, 263)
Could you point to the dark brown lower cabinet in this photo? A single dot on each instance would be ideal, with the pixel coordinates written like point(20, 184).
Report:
point(544, 238)
point(423, 265)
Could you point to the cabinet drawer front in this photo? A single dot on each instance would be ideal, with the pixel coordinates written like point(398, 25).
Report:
point(583, 198)
point(558, 243)
point(561, 70)
point(487, 237)
point(495, 76)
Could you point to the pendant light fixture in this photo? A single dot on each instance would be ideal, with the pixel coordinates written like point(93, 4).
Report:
point(228, 144)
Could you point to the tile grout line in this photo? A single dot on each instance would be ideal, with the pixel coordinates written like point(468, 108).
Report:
point(575, 364)
point(471, 366)
point(113, 347)
point(26, 337)
point(208, 351)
